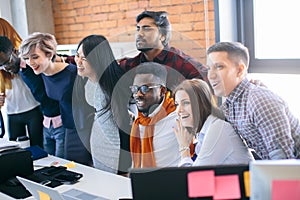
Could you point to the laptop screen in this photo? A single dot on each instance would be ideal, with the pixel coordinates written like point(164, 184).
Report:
point(40, 191)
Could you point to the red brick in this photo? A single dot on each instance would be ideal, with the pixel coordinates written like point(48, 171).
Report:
point(133, 5)
point(179, 9)
point(154, 3)
point(91, 25)
point(182, 27)
point(114, 7)
point(83, 19)
point(75, 27)
point(100, 17)
point(80, 4)
point(143, 4)
point(75, 19)
point(166, 3)
point(116, 15)
point(123, 6)
point(175, 2)
point(110, 24)
point(198, 7)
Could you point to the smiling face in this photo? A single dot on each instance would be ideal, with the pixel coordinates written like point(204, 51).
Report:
point(147, 35)
point(184, 108)
point(83, 66)
point(152, 97)
point(224, 74)
point(39, 61)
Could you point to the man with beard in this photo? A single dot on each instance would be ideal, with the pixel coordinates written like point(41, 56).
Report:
point(152, 140)
point(153, 33)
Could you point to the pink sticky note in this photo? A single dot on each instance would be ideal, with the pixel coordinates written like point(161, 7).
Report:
point(201, 183)
point(286, 189)
point(227, 187)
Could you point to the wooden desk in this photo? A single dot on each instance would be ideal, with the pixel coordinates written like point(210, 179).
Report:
point(94, 181)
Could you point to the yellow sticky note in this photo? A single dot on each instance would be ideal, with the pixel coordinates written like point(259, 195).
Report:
point(70, 165)
point(247, 183)
point(44, 196)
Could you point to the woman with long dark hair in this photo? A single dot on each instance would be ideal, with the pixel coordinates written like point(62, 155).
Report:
point(100, 71)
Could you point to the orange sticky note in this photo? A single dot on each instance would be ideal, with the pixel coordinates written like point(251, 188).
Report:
point(227, 187)
point(44, 196)
point(201, 183)
point(286, 189)
point(70, 165)
point(247, 183)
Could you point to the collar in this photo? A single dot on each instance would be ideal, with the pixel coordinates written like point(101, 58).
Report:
point(207, 123)
point(238, 91)
point(160, 57)
point(157, 109)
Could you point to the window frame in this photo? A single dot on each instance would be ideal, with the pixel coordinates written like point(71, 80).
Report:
point(246, 34)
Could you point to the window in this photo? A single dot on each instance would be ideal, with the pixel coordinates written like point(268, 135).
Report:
point(270, 30)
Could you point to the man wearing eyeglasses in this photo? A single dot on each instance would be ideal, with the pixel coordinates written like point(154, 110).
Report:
point(152, 140)
point(153, 33)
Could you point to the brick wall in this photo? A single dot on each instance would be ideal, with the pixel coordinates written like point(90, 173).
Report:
point(192, 21)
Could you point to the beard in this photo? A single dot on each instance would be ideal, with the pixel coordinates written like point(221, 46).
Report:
point(144, 49)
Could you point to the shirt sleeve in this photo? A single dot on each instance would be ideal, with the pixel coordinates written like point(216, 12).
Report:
point(271, 119)
point(217, 145)
point(185, 162)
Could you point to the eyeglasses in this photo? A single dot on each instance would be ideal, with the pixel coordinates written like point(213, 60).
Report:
point(5, 64)
point(143, 89)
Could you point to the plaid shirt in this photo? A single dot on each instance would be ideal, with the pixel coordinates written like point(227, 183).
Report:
point(186, 66)
point(264, 120)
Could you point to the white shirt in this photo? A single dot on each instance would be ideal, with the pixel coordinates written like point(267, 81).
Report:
point(19, 99)
point(221, 145)
point(165, 145)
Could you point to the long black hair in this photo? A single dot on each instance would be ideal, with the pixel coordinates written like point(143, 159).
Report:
point(99, 54)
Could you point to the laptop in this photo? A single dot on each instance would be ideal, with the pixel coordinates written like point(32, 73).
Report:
point(40, 191)
point(172, 182)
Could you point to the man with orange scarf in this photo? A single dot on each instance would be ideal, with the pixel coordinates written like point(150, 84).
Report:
point(152, 140)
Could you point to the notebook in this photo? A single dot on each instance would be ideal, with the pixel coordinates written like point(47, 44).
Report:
point(172, 182)
point(40, 191)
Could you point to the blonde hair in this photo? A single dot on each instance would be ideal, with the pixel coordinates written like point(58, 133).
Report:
point(44, 41)
point(7, 30)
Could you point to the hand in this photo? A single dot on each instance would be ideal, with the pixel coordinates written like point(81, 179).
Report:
point(184, 137)
point(258, 83)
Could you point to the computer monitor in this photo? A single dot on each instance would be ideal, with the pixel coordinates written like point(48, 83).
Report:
point(264, 172)
point(172, 182)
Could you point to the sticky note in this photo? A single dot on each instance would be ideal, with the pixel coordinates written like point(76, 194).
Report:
point(70, 165)
point(44, 196)
point(286, 189)
point(227, 187)
point(201, 183)
point(247, 183)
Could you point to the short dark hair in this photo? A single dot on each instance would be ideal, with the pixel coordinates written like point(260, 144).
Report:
point(6, 45)
point(156, 69)
point(161, 20)
point(235, 50)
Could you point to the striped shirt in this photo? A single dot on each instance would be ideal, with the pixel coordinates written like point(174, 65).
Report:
point(264, 120)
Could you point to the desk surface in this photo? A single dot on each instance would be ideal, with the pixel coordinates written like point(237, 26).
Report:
point(94, 181)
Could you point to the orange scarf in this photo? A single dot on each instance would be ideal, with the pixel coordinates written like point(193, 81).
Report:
point(142, 148)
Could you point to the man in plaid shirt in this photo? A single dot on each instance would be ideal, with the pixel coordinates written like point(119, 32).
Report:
point(261, 117)
point(153, 32)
